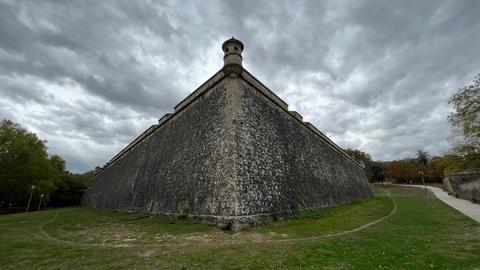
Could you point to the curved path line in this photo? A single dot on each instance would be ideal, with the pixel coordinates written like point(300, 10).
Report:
point(224, 242)
point(339, 233)
point(71, 243)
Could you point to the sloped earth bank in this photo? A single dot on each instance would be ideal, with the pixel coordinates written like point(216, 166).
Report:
point(398, 228)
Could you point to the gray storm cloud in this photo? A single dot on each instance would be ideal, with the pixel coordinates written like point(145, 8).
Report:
point(375, 75)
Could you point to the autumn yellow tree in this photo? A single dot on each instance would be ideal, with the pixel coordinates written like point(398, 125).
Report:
point(402, 171)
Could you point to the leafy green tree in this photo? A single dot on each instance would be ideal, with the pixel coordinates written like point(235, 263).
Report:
point(24, 162)
point(457, 163)
point(87, 178)
point(422, 157)
point(69, 191)
point(378, 171)
point(358, 155)
point(440, 167)
point(374, 171)
point(466, 116)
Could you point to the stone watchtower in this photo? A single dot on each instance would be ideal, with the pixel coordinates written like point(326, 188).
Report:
point(230, 153)
point(232, 58)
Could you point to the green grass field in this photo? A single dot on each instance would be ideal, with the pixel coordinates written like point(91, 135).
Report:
point(396, 229)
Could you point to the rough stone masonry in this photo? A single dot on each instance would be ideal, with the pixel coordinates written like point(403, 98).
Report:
point(231, 153)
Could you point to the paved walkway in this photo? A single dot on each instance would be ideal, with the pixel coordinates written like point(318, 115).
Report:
point(468, 208)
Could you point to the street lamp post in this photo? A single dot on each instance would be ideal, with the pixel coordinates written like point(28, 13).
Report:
point(40, 202)
point(423, 181)
point(421, 173)
point(30, 199)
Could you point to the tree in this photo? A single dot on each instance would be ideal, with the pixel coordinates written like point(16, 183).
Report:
point(24, 161)
point(457, 163)
point(88, 178)
point(422, 157)
point(435, 170)
point(374, 171)
point(403, 171)
point(378, 171)
point(358, 155)
point(440, 167)
point(466, 116)
point(69, 191)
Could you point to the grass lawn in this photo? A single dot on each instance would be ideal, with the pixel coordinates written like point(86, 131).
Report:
point(396, 229)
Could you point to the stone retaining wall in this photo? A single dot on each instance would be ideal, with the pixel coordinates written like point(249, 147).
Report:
point(470, 191)
point(453, 182)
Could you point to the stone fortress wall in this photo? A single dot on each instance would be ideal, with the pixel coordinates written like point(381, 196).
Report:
point(288, 161)
point(173, 166)
point(230, 153)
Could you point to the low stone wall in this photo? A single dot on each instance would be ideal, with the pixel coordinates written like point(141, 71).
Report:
point(470, 191)
point(453, 182)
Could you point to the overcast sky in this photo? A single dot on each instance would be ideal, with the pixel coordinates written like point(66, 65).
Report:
point(89, 76)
